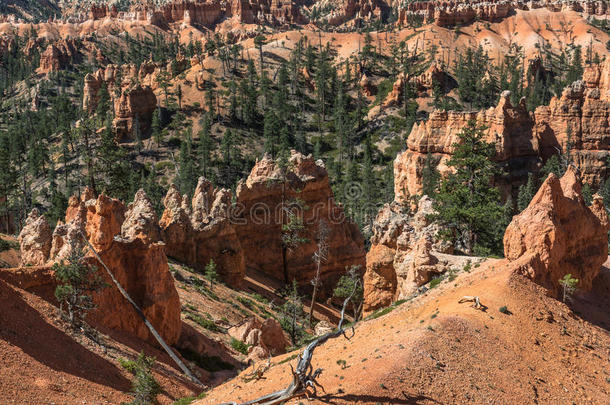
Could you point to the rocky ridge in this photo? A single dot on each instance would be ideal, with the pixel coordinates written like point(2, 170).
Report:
point(460, 12)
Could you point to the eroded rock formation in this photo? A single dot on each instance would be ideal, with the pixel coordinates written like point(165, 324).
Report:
point(203, 231)
point(262, 200)
point(402, 256)
point(58, 56)
point(557, 234)
point(578, 121)
point(510, 128)
point(35, 240)
point(461, 12)
point(133, 104)
point(127, 242)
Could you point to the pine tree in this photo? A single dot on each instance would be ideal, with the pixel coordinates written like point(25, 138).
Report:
point(205, 148)
point(292, 315)
point(526, 193)
point(467, 205)
point(156, 126)
point(210, 273)
point(430, 176)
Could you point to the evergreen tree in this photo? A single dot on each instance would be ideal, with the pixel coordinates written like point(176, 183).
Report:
point(292, 315)
point(205, 148)
point(430, 176)
point(467, 205)
point(526, 193)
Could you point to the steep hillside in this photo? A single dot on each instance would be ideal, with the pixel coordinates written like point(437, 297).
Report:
point(432, 349)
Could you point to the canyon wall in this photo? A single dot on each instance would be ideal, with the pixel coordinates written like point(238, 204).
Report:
point(461, 12)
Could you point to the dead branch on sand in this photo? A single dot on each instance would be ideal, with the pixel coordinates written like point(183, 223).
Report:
point(304, 377)
point(475, 299)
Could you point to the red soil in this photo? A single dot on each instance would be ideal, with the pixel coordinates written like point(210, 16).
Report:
point(434, 350)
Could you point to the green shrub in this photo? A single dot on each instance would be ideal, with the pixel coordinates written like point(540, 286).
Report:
point(205, 323)
point(435, 282)
point(504, 310)
point(144, 387)
point(239, 346)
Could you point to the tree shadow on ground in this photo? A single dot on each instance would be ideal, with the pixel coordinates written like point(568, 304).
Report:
point(402, 399)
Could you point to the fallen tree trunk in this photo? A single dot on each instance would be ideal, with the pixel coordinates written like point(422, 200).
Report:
point(304, 377)
point(150, 327)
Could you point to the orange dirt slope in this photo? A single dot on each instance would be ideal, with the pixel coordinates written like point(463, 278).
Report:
point(433, 350)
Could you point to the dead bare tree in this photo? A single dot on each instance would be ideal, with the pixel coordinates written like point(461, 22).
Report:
point(321, 255)
point(304, 377)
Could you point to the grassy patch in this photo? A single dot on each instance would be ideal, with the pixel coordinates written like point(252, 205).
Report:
point(203, 322)
point(239, 346)
point(287, 359)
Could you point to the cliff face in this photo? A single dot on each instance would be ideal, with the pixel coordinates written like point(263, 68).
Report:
point(510, 128)
point(461, 12)
point(578, 121)
point(260, 214)
point(557, 234)
point(202, 231)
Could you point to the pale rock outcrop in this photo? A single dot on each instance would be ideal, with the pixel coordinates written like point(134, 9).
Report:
point(557, 234)
point(261, 202)
point(141, 220)
point(35, 240)
point(322, 328)
point(264, 338)
point(402, 256)
point(203, 231)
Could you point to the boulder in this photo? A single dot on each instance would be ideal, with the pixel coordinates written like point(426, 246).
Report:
point(35, 240)
point(557, 234)
point(322, 328)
